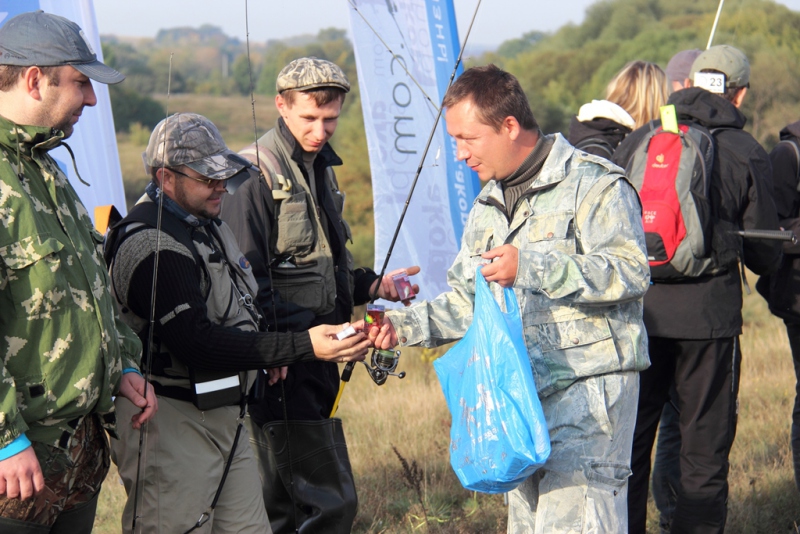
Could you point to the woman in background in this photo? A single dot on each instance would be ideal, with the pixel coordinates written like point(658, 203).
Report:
point(633, 98)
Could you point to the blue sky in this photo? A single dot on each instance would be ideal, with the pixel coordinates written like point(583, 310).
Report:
point(497, 20)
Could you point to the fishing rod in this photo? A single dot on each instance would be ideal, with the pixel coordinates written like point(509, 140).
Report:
point(385, 362)
point(714, 27)
point(137, 490)
point(400, 59)
point(269, 271)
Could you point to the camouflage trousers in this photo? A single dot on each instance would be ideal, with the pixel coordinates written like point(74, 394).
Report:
point(72, 479)
point(583, 486)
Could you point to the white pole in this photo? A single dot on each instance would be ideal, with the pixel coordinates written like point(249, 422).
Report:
point(714, 28)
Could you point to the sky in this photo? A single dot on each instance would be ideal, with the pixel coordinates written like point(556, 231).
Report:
point(496, 20)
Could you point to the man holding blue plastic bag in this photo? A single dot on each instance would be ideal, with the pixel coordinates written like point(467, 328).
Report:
point(563, 229)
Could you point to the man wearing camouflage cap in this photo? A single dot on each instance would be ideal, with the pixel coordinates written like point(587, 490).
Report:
point(291, 227)
point(64, 350)
point(694, 324)
point(208, 334)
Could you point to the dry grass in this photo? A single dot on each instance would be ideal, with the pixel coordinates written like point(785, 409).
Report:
point(410, 416)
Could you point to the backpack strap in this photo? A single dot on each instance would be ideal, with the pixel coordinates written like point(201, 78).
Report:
point(598, 143)
point(582, 211)
point(793, 144)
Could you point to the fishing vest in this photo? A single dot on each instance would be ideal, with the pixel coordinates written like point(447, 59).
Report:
point(228, 286)
point(302, 262)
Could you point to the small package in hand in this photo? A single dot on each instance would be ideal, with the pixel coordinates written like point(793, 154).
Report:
point(403, 286)
point(374, 315)
point(347, 332)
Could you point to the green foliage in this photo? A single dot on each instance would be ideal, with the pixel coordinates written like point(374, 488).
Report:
point(514, 47)
point(561, 71)
point(129, 107)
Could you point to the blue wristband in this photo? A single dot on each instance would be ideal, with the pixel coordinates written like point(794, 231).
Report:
point(131, 370)
point(15, 447)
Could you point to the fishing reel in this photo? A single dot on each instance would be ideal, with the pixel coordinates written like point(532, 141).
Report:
point(384, 364)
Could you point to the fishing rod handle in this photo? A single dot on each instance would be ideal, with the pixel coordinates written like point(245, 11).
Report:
point(779, 235)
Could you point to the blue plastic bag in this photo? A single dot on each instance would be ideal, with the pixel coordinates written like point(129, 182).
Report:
point(498, 435)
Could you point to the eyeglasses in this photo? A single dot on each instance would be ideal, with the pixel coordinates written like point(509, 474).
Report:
point(209, 182)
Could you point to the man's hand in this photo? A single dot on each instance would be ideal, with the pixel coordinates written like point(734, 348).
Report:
point(327, 347)
point(277, 373)
point(503, 268)
point(388, 291)
point(21, 475)
point(132, 388)
point(384, 337)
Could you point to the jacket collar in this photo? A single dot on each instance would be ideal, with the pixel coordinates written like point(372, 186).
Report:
point(710, 110)
point(327, 155)
point(554, 171)
point(27, 138)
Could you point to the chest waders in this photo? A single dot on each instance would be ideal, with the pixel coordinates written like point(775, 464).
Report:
point(304, 465)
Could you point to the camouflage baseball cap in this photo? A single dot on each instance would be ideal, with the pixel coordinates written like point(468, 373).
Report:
point(194, 141)
point(309, 73)
point(47, 40)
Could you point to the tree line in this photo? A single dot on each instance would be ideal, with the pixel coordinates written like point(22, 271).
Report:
point(559, 71)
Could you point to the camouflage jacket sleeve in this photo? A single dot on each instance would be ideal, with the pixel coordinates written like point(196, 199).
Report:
point(445, 318)
point(130, 347)
point(610, 265)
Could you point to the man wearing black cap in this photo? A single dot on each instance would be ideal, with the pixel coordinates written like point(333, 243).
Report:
point(291, 227)
point(64, 351)
point(208, 333)
point(694, 323)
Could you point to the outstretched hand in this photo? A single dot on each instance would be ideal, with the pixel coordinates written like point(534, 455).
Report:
point(383, 337)
point(387, 289)
point(327, 347)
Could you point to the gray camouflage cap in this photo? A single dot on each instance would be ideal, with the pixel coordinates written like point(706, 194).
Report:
point(194, 141)
point(309, 73)
point(45, 40)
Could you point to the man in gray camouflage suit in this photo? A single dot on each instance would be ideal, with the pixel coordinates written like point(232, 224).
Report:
point(563, 228)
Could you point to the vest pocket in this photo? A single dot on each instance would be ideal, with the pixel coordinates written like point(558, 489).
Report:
point(306, 289)
point(296, 230)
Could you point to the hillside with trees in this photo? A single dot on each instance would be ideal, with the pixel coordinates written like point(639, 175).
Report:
point(559, 72)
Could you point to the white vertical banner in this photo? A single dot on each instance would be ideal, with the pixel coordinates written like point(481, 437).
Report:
point(399, 112)
point(94, 141)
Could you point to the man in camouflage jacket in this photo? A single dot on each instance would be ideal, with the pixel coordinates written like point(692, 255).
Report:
point(563, 228)
point(63, 349)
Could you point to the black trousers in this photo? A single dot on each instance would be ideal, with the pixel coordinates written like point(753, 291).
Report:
point(793, 331)
point(706, 378)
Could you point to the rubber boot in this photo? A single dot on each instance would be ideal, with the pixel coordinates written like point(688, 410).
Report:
point(317, 493)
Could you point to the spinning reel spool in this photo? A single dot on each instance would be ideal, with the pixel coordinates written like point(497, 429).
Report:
point(384, 365)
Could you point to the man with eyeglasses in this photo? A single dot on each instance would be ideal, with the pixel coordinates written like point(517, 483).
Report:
point(208, 338)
